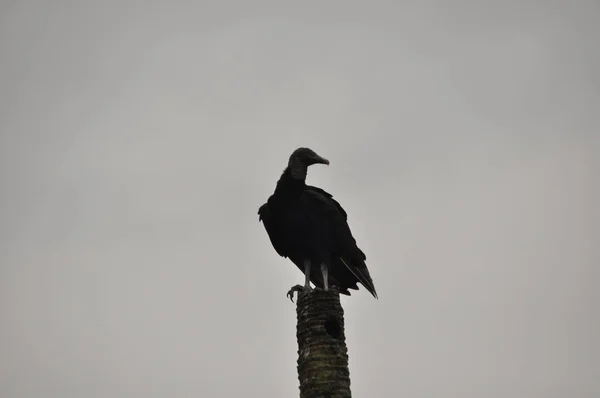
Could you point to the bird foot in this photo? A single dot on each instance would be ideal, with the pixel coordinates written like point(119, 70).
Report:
point(299, 289)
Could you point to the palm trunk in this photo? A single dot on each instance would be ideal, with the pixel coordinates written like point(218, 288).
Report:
point(322, 353)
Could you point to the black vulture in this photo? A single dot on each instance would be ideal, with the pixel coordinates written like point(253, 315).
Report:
point(308, 226)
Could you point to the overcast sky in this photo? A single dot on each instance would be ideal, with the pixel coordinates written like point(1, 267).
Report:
point(138, 139)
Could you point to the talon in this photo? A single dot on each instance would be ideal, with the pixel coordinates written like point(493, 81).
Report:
point(294, 289)
point(299, 289)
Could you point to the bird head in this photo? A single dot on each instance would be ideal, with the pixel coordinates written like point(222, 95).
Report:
point(306, 157)
point(300, 159)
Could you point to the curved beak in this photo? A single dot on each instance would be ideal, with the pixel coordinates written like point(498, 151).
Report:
point(321, 160)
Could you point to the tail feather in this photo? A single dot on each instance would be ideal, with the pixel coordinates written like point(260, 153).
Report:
point(362, 277)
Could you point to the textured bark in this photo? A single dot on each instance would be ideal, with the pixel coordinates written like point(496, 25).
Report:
point(322, 353)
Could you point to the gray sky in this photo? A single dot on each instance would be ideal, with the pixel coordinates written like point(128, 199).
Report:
point(138, 139)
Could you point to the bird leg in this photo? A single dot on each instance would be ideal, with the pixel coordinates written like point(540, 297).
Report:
point(307, 274)
point(325, 271)
point(299, 288)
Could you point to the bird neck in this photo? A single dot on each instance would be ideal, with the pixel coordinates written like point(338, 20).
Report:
point(297, 168)
point(288, 184)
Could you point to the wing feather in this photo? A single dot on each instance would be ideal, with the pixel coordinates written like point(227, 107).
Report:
point(345, 245)
point(273, 229)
